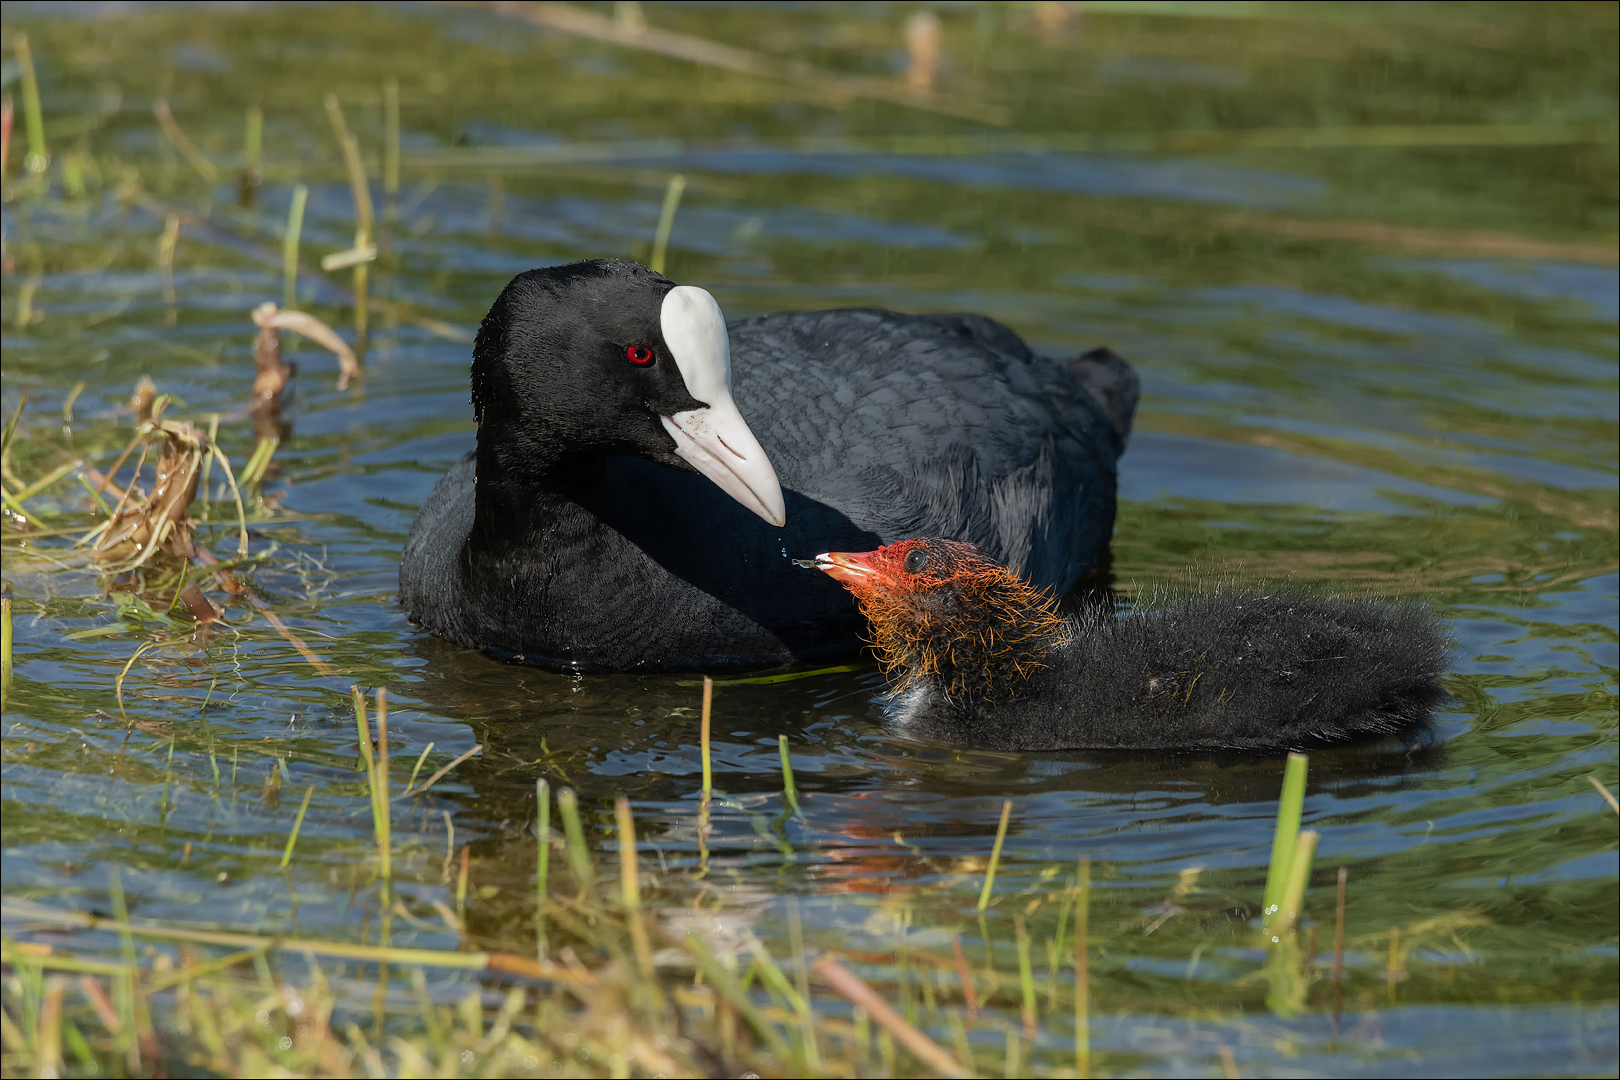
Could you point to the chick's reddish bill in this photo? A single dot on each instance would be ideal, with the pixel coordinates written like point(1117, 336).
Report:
point(848, 567)
point(855, 568)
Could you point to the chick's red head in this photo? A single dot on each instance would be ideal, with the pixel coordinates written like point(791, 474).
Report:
point(943, 607)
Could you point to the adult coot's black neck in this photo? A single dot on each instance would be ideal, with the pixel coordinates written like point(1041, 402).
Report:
point(597, 359)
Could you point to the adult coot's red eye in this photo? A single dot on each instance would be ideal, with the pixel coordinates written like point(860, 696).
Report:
point(639, 355)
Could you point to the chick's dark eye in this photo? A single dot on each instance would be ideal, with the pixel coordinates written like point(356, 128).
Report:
point(639, 355)
point(916, 562)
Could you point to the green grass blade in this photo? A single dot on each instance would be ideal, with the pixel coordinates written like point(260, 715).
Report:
point(1289, 807)
point(995, 856)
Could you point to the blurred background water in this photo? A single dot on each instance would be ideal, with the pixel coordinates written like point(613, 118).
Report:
point(1363, 256)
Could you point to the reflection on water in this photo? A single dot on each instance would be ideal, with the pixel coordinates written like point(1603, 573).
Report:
point(1376, 368)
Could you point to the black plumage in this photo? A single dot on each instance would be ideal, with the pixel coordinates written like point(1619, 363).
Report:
point(983, 660)
point(571, 535)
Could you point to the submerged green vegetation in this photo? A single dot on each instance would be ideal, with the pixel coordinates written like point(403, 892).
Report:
point(256, 824)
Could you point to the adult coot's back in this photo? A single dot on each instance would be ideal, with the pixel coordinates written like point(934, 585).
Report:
point(618, 512)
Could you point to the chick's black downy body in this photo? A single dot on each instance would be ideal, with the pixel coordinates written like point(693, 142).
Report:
point(573, 535)
point(1239, 671)
point(982, 660)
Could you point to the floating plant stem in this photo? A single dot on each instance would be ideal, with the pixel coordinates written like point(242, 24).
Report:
point(666, 222)
point(1082, 970)
point(579, 856)
point(253, 472)
point(298, 823)
point(289, 246)
point(1286, 834)
point(436, 777)
point(995, 857)
point(47, 480)
point(182, 142)
point(708, 700)
point(860, 994)
point(420, 760)
point(33, 120)
point(128, 931)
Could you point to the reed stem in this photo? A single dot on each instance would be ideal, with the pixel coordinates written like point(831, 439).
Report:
point(995, 856)
point(5, 652)
point(708, 775)
point(289, 247)
point(542, 868)
point(33, 119)
point(385, 808)
point(1082, 970)
point(1338, 946)
point(1026, 976)
point(666, 222)
point(252, 153)
point(1289, 807)
point(630, 886)
point(789, 789)
point(298, 823)
point(390, 147)
point(461, 885)
point(579, 856)
point(361, 191)
point(1299, 874)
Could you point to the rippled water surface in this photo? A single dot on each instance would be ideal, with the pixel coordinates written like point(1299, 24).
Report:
point(1380, 362)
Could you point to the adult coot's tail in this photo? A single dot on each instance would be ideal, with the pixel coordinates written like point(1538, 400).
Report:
point(982, 659)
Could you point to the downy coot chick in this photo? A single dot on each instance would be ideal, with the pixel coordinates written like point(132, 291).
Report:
point(618, 512)
point(983, 659)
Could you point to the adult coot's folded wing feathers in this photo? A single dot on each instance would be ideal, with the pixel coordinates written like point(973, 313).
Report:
point(942, 425)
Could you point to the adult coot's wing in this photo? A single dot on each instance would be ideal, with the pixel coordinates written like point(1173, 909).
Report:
point(941, 425)
point(430, 584)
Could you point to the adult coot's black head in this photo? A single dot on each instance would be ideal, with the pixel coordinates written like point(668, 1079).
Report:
point(602, 358)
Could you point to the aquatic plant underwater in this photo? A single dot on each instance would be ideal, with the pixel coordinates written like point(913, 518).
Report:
point(256, 824)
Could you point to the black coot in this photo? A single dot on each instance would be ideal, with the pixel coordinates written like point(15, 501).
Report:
point(982, 659)
point(618, 513)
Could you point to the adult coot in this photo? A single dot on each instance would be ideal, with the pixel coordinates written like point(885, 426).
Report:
point(618, 513)
point(984, 660)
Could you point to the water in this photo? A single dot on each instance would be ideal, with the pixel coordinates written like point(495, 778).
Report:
point(1380, 368)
